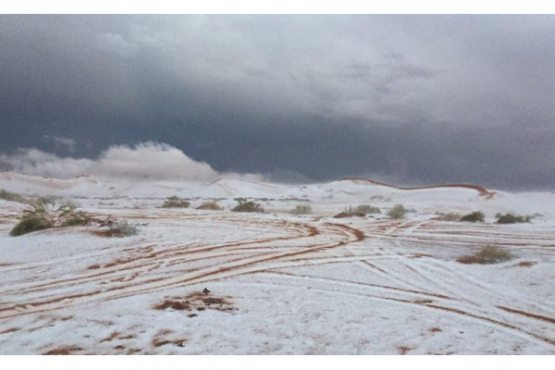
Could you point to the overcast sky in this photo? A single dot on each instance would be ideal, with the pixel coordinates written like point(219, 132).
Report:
point(412, 99)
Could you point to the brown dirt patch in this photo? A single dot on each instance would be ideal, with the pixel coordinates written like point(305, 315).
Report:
point(65, 350)
point(342, 215)
point(111, 337)
point(526, 264)
point(420, 255)
point(109, 233)
point(198, 301)
point(174, 304)
point(160, 339)
point(403, 350)
point(157, 342)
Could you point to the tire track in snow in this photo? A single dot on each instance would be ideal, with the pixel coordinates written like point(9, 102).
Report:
point(206, 274)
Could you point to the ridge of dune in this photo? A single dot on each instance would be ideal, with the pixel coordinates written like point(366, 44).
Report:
point(482, 190)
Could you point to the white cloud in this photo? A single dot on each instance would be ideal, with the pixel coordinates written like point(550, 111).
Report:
point(145, 161)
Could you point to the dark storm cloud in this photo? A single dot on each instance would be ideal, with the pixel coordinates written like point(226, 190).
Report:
point(410, 98)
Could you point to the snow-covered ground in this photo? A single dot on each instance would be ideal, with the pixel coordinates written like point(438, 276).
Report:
point(276, 283)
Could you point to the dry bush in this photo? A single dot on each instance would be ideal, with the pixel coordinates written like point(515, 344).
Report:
point(397, 212)
point(301, 209)
point(477, 216)
point(175, 202)
point(486, 255)
point(117, 229)
point(510, 218)
point(367, 209)
point(449, 216)
point(248, 206)
point(211, 206)
point(359, 211)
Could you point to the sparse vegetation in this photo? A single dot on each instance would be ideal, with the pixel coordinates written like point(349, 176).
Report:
point(248, 206)
point(301, 209)
point(510, 218)
point(450, 216)
point(44, 214)
point(68, 216)
point(367, 209)
point(30, 223)
point(211, 206)
point(117, 229)
point(477, 216)
point(486, 255)
point(175, 202)
point(397, 212)
point(12, 197)
point(359, 211)
point(122, 228)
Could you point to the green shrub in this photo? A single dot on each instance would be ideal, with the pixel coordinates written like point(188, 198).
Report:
point(473, 217)
point(44, 214)
point(29, 224)
point(175, 202)
point(301, 209)
point(66, 215)
point(212, 206)
point(248, 206)
point(510, 218)
point(486, 255)
point(397, 212)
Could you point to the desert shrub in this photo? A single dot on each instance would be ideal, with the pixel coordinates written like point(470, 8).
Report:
point(175, 202)
point(301, 209)
point(487, 255)
point(359, 211)
point(44, 214)
point(380, 198)
point(122, 228)
point(397, 212)
point(29, 224)
point(39, 217)
point(510, 218)
point(114, 228)
point(66, 215)
point(248, 206)
point(367, 209)
point(450, 216)
point(12, 197)
point(211, 206)
point(477, 216)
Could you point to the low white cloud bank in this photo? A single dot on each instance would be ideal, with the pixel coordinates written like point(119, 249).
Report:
point(145, 161)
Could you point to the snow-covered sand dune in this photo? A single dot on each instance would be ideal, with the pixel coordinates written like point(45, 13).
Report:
point(276, 283)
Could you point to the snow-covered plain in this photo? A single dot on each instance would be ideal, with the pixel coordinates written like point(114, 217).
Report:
point(278, 283)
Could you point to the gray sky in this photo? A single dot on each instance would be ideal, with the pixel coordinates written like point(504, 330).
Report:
point(412, 99)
